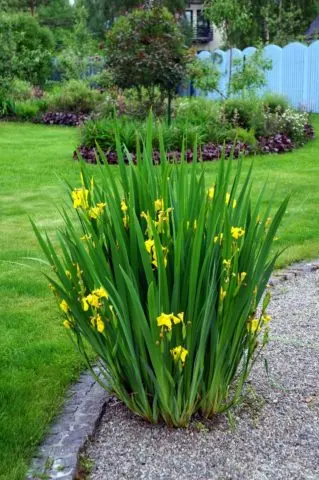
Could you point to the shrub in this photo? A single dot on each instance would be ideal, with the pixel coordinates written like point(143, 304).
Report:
point(7, 106)
point(102, 80)
point(130, 104)
point(138, 105)
point(73, 97)
point(177, 134)
point(246, 136)
point(29, 109)
point(30, 47)
point(20, 90)
point(107, 108)
point(103, 133)
point(71, 64)
point(274, 102)
point(243, 112)
point(293, 124)
point(22, 110)
point(197, 110)
point(162, 277)
point(206, 114)
point(289, 122)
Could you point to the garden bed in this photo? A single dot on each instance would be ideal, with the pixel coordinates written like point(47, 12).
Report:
point(280, 143)
point(207, 152)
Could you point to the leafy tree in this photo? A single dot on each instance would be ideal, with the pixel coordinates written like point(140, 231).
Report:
point(30, 6)
point(30, 45)
point(103, 12)
point(80, 53)
point(145, 50)
point(56, 14)
point(231, 16)
point(7, 55)
point(247, 22)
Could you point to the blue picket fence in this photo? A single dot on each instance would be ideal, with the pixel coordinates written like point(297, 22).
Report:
point(294, 72)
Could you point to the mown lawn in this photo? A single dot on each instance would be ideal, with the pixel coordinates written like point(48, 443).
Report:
point(37, 360)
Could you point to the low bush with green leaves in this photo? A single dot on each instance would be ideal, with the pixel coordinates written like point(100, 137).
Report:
point(7, 106)
point(20, 90)
point(244, 112)
point(103, 132)
point(274, 102)
point(29, 109)
point(197, 110)
point(162, 276)
point(73, 97)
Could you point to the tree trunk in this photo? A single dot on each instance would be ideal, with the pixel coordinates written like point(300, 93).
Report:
point(230, 46)
point(169, 108)
point(230, 69)
point(266, 25)
point(32, 7)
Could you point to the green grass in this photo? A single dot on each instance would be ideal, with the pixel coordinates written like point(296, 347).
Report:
point(37, 360)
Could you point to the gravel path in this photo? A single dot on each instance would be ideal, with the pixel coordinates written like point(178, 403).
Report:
point(274, 435)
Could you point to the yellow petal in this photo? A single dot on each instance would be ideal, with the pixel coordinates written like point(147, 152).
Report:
point(149, 244)
point(64, 306)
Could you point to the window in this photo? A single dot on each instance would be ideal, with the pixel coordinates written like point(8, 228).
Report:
point(202, 23)
point(189, 16)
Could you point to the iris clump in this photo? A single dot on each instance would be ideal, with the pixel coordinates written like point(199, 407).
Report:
point(165, 280)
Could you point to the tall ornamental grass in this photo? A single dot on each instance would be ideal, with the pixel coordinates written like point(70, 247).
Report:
point(162, 275)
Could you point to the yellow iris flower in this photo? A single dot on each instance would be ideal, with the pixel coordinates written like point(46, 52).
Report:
point(223, 293)
point(168, 319)
point(124, 207)
point(96, 211)
point(149, 244)
point(211, 193)
point(179, 353)
point(159, 204)
point(98, 323)
point(80, 198)
point(64, 306)
point(93, 299)
point(237, 232)
point(253, 326)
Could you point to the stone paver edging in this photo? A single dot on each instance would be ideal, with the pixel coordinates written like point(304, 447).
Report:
point(58, 456)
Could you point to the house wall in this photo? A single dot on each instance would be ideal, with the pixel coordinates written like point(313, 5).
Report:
point(218, 35)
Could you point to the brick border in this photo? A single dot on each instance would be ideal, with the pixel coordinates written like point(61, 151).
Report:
point(57, 458)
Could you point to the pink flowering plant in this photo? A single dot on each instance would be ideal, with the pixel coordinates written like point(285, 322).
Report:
point(162, 276)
